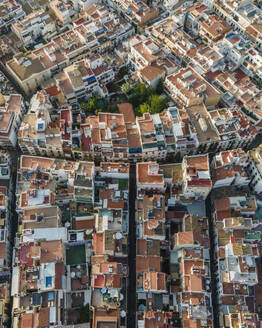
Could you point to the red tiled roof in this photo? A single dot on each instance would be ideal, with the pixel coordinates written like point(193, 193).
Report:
point(52, 91)
point(86, 141)
point(80, 21)
point(84, 224)
point(24, 255)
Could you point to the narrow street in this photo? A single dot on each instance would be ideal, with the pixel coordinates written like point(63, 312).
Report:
point(15, 154)
point(131, 293)
point(212, 236)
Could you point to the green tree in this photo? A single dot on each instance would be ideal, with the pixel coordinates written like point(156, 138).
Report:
point(143, 108)
point(157, 104)
point(140, 94)
point(23, 48)
point(125, 87)
point(143, 91)
point(98, 110)
point(90, 106)
point(123, 71)
point(84, 106)
point(107, 107)
point(112, 108)
point(144, 99)
point(160, 87)
point(84, 314)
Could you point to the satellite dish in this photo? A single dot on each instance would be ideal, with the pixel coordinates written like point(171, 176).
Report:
point(118, 235)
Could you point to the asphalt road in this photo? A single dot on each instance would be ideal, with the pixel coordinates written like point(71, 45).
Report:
point(131, 293)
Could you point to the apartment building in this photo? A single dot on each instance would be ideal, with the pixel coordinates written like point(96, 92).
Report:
point(151, 75)
point(237, 88)
point(199, 20)
point(170, 33)
point(152, 282)
point(63, 11)
point(179, 133)
point(254, 169)
point(189, 88)
point(144, 52)
point(237, 250)
point(153, 147)
point(34, 68)
point(137, 12)
point(151, 217)
point(30, 70)
point(234, 47)
point(229, 168)
point(38, 24)
point(133, 136)
point(7, 48)
point(46, 132)
point(83, 79)
point(197, 182)
point(109, 266)
point(51, 254)
point(12, 109)
point(104, 26)
point(149, 177)
point(151, 61)
point(108, 136)
point(156, 317)
point(110, 277)
point(206, 59)
point(221, 128)
point(191, 276)
point(252, 64)
point(10, 11)
point(242, 16)
point(112, 180)
point(38, 134)
point(202, 54)
point(187, 182)
point(122, 136)
point(5, 301)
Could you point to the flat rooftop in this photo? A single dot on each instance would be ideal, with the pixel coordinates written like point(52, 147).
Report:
point(205, 129)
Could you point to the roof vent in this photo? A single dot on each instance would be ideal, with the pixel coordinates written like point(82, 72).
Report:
point(203, 124)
